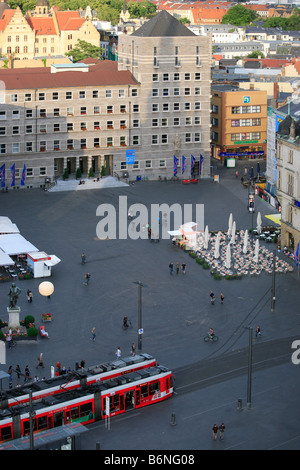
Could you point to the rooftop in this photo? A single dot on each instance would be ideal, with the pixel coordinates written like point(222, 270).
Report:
point(163, 25)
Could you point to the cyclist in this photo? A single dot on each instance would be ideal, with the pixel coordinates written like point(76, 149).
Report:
point(211, 334)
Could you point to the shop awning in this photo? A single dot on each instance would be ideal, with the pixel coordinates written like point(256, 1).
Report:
point(53, 261)
point(175, 233)
point(275, 218)
point(15, 244)
point(5, 259)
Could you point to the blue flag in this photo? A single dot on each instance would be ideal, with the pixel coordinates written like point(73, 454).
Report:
point(13, 174)
point(296, 256)
point(23, 175)
point(200, 165)
point(192, 164)
point(2, 175)
point(183, 165)
point(175, 165)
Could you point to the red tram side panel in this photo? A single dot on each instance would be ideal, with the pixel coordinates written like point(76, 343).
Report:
point(93, 403)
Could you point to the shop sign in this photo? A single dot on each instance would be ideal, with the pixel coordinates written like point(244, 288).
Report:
point(245, 142)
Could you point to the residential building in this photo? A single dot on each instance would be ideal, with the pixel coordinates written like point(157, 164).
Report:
point(239, 122)
point(44, 32)
point(154, 103)
point(288, 181)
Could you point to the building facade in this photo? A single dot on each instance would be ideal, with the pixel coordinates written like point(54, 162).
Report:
point(239, 123)
point(288, 183)
point(130, 118)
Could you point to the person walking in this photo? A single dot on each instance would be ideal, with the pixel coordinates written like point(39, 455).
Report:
point(171, 268)
point(83, 258)
point(87, 278)
point(177, 267)
point(93, 334)
point(215, 430)
point(118, 353)
point(40, 363)
point(27, 374)
point(133, 349)
point(258, 332)
point(18, 371)
point(10, 370)
point(222, 429)
point(222, 298)
point(212, 297)
point(183, 268)
point(8, 340)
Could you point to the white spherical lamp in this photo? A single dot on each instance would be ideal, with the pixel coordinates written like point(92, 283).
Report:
point(46, 288)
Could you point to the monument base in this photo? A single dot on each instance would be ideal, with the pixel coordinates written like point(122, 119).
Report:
point(13, 317)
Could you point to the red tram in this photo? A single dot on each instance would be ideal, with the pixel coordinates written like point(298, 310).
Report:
point(75, 379)
point(89, 403)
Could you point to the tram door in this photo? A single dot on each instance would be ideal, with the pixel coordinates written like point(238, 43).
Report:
point(137, 397)
point(129, 400)
point(58, 419)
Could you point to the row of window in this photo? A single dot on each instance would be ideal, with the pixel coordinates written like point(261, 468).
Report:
point(165, 77)
point(83, 126)
point(56, 112)
point(239, 109)
point(70, 95)
point(245, 122)
point(175, 91)
point(245, 136)
point(56, 145)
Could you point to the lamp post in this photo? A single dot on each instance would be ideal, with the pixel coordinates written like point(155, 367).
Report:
point(140, 329)
point(273, 296)
point(46, 288)
point(249, 369)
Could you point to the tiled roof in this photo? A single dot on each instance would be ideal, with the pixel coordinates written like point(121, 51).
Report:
point(42, 26)
point(103, 74)
point(7, 15)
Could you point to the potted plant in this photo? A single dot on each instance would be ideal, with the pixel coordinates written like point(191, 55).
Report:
point(66, 174)
point(78, 173)
point(91, 173)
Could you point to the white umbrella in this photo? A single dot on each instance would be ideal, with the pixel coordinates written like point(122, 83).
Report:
point(206, 237)
point(258, 221)
point(245, 247)
point(230, 225)
point(256, 251)
point(233, 233)
point(217, 246)
point(228, 256)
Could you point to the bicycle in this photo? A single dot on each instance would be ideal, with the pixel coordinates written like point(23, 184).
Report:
point(212, 338)
point(12, 344)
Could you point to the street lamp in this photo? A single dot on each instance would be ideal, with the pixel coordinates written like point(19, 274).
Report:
point(46, 288)
point(140, 329)
point(273, 295)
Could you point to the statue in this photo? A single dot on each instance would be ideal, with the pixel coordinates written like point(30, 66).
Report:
point(13, 295)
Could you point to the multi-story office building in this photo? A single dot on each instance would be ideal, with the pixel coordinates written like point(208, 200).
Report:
point(288, 181)
point(155, 104)
point(239, 122)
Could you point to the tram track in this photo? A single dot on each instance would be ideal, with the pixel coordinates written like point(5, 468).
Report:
point(211, 371)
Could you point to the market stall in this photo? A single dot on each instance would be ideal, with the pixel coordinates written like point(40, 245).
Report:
point(40, 263)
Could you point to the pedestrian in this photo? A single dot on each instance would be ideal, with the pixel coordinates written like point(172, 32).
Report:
point(183, 268)
point(258, 332)
point(18, 371)
point(133, 349)
point(215, 430)
point(10, 370)
point(40, 363)
point(212, 297)
point(88, 277)
point(93, 334)
point(83, 258)
point(29, 295)
point(171, 268)
point(222, 429)
point(118, 353)
point(236, 174)
point(177, 267)
point(8, 340)
point(222, 298)
point(27, 374)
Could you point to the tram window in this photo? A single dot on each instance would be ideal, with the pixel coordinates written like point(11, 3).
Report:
point(26, 427)
point(144, 390)
point(6, 433)
point(42, 423)
point(114, 402)
point(154, 387)
point(75, 413)
point(86, 409)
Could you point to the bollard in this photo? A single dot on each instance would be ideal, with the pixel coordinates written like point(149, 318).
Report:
point(239, 407)
point(173, 419)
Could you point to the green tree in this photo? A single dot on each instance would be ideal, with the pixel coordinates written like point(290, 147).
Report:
point(256, 54)
point(145, 9)
point(83, 50)
point(239, 16)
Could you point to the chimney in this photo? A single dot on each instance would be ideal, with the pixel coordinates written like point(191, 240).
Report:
point(275, 90)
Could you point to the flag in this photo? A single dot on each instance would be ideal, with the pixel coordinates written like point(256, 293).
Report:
point(13, 174)
point(183, 165)
point(192, 164)
point(200, 165)
point(175, 165)
point(2, 175)
point(296, 256)
point(23, 175)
